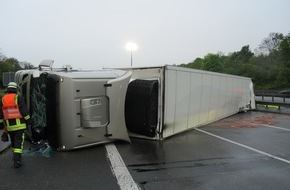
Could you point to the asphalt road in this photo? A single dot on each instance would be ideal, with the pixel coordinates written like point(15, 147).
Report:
point(245, 151)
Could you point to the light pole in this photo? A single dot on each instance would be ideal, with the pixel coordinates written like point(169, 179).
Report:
point(131, 46)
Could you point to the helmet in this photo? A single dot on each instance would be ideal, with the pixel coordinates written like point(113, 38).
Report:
point(12, 85)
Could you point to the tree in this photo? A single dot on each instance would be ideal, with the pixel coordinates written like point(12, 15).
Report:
point(242, 56)
point(271, 43)
point(8, 65)
point(212, 62)
point(283, 78)
point(196, 64)
point(269, 69)
point(284, 49)
point(26, 65)
point(11, 65)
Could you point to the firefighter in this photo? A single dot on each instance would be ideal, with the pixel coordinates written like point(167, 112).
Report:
point(14, 118)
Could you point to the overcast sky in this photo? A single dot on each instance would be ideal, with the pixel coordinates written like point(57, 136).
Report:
point(91, 34)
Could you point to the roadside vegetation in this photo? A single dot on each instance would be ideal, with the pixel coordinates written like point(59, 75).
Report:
point(2, 92)
point(11, 65)
point(268, 65)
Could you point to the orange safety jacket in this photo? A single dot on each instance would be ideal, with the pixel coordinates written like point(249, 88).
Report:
point(10, 111)
point(10, 107)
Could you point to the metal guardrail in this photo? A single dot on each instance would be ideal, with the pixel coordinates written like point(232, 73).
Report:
point(273, 94)
point(260, 92)
point(277, 105)
point(271, 98)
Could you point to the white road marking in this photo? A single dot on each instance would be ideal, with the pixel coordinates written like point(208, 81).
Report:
point(245, 146)
point(119, 169)
point(272, 126)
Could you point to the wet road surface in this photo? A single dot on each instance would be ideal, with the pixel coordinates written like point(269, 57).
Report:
point(245, 151)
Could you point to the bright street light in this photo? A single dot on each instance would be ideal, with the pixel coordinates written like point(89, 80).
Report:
point(131, 46)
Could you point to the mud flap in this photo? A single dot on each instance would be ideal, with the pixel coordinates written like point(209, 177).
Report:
point(116, 90)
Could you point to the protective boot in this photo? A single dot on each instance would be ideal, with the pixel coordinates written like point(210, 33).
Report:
point(17, 164)
point(17, 160)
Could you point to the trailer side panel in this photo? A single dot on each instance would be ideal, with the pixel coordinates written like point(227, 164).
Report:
point(194, 98)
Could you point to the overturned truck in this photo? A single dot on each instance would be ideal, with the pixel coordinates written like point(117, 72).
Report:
point(74, 109)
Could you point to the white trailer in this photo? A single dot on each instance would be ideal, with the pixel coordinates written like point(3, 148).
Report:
point(187, 98)
point(75, 109)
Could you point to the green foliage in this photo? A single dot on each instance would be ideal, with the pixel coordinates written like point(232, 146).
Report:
point(242, 56)
point(11, 65)
point(269, 68)
point(271, 43)
point(284, 50)
point(2, 92)
point(196, 64)
point(212, 62)
point(26, 65)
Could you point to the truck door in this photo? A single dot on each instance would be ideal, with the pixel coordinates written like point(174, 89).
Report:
point(116, 92)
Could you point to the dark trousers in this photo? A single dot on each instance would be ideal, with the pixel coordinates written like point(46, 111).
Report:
point(17, 142)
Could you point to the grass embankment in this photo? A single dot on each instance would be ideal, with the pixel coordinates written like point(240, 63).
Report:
point(2, 92)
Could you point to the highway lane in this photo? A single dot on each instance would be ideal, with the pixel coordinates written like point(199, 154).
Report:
point(191, 160)
point(196, 160)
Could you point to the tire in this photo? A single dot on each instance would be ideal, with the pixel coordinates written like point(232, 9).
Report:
point(141, 107)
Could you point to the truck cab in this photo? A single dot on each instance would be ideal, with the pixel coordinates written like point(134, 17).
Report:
point(74, 109)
